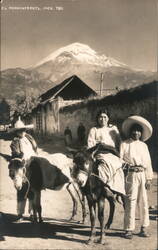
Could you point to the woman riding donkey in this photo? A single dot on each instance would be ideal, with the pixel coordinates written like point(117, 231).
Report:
point(99, 172)
point(23, 146)
point(138, 172)
point(106, 138)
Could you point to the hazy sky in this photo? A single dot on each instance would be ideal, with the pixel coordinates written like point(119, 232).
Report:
point(123, 29)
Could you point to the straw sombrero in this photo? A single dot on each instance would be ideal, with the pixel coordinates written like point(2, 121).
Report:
point(19, 125)
point(147, 128)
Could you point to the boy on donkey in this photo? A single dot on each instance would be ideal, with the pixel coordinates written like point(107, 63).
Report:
point(23, 146)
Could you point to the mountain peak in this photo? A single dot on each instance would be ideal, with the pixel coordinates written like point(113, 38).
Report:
point(74, 50)
point(78, 48)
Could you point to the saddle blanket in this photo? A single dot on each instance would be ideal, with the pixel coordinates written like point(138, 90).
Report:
point(56, 170)
point(111, 172)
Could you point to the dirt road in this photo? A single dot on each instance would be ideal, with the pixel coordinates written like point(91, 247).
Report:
point(57, 232)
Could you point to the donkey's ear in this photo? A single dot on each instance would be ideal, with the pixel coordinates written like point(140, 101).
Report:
point(84, 148)
point(6, 157)
point(92, 149)
point(71, 151)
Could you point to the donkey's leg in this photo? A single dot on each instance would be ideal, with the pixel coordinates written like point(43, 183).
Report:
point(34, 205)
point(37, 204)
point(71, 190)
point(21, 209)
point(101, 217)
point(30, 209)
point(83, 203)
point(82, 200)
point(39, 207)
point(34, 219)
point(92, 210)
point(21, 203)
point(111, 214)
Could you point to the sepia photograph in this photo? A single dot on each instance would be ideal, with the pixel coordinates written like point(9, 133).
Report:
point(79, 124)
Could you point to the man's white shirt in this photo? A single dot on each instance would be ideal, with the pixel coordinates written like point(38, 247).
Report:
point(27, 148)
point(137, 153)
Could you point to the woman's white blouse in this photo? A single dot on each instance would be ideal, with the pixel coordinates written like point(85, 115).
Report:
point(107, 135)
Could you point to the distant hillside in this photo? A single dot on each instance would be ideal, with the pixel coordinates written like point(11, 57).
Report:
point(20, 81)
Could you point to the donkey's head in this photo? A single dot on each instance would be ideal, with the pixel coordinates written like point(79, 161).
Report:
point(17, 172)
point(82, 166)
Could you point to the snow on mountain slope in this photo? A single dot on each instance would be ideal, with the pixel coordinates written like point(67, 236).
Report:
point(80, 53)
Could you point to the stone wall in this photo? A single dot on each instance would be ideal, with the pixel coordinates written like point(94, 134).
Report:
point(117, 112)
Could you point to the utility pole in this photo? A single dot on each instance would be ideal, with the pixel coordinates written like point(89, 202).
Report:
point(101, 83)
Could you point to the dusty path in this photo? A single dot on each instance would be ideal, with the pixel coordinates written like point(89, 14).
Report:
point(56, 232)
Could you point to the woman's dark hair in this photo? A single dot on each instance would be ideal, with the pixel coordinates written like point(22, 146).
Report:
point(102, 111)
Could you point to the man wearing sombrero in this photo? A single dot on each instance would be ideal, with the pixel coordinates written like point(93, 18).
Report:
point(23, 146)
point(139, 172)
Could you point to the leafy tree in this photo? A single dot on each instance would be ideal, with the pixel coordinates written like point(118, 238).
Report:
point(23, 105)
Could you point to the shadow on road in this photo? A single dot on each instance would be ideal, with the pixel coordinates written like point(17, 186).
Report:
point(9, 227)
point(153, 214)
point(55, 229)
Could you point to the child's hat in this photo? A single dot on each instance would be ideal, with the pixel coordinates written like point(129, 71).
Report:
point(19, 125)
point(135, 119)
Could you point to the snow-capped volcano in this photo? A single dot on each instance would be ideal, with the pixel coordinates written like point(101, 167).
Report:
point(80, 53)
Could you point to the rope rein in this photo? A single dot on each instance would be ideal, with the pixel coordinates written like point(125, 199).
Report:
point(92, 174)
point(77, 193)
point(27, 180)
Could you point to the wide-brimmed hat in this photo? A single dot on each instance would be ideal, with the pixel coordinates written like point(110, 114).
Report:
point(19, 125)
point(135, 119)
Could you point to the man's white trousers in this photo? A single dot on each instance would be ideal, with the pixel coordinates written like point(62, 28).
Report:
point(136, 195)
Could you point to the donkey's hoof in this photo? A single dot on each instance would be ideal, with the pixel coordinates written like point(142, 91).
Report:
point(32, 219)
point(71, 218)
point(79, 221)
point(82, 222)
point(19, 220)
point(101, 241)
point(107, 226)
point(90, 241)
